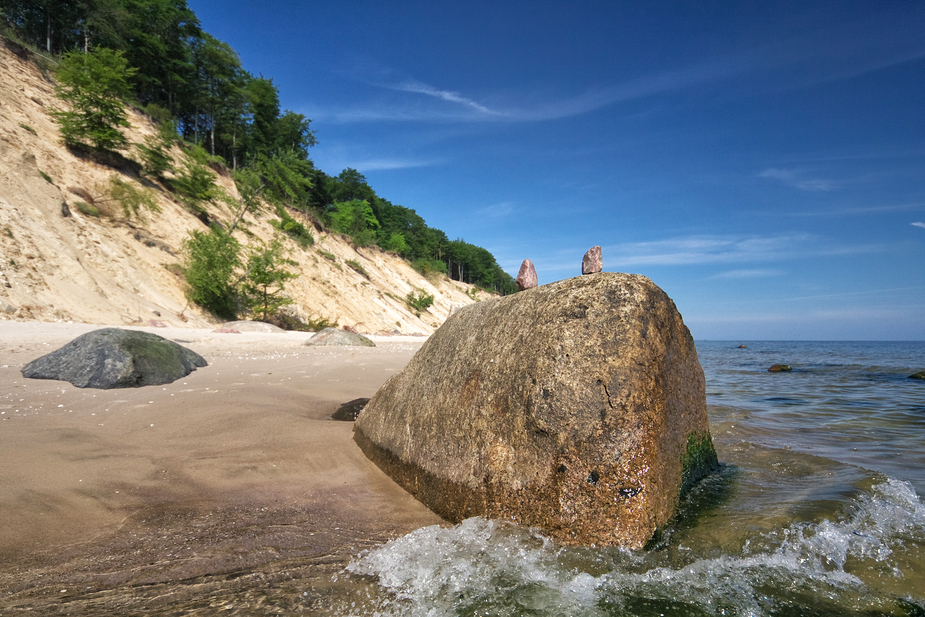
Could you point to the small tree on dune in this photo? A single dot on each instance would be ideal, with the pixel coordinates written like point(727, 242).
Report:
point(95, 85)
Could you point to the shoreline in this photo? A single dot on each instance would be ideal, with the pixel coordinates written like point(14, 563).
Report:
point(220, 474)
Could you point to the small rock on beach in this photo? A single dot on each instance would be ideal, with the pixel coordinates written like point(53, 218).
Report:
point(336, 336)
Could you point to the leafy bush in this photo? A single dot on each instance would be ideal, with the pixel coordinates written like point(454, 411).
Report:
point(428, 267)
point(211, 259)
point(131, 200)
point(328, 256)
point(355, 265)
point(155, 152)
point(94, 84)
point(291, 322)
point(85, 208)
point(195, 184)
point(419, 301)
point(292, 228)
point(396, 243)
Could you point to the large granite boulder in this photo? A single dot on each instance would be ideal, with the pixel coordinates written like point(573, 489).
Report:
point(577, 406)
point(115, 358)
point(336, 337)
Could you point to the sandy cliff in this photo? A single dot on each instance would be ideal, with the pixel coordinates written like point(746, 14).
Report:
point(57, 264)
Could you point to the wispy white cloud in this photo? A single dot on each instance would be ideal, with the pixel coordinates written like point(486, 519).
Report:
point(390, 163)
point(499, 210)
point(747, 274)
point(918, 224)
point(524, 106)
point(795, 179)
point(706, 250)
point(416, 87)
point(910, 207)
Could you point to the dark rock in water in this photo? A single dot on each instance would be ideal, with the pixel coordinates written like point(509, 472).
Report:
point(742, 347)
point(578, 407)
point(780, 368)
point(336, 336)
point(348, 412)
point(526, 277)
point(593, 261)
point(918, 375)
point(114, 358)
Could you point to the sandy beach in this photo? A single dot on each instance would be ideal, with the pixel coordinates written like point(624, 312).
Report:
point(149, 499)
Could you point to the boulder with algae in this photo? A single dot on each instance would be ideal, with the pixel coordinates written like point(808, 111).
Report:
point(578, 407)
point(116, 358)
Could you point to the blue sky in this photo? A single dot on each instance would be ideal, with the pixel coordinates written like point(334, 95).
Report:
point(762, 162)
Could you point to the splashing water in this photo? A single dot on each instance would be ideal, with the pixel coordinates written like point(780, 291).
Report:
point(483, 567)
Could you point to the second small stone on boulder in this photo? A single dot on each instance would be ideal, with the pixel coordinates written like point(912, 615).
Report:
point(593, 261)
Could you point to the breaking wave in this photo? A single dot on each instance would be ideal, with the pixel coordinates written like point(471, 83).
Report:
point(484, 567)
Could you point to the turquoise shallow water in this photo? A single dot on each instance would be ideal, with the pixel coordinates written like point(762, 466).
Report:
point(815, 511)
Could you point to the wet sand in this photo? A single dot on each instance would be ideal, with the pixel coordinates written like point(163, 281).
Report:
point(230, 482)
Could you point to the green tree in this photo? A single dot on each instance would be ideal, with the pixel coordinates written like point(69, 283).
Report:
point(155, 152)
point(263, 104)
point(265, 280)
point(356, 219)
point(211, 260)
point(294, 134)
point(396, 243)
point(94, 84)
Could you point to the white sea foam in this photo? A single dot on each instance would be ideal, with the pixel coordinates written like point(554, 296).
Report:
point(488, 567)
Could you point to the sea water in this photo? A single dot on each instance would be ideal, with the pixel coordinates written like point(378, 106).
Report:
point(816, 510)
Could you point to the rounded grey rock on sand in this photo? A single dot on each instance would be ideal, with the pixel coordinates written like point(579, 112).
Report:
point(593, 261)
point(115, 358)
point(251, 326)
point(578, 407)
point(336, 336)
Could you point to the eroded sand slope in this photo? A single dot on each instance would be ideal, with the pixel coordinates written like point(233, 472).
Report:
point(57, 264)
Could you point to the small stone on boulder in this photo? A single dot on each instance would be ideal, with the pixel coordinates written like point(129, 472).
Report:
point(593, 261)
point(526, 277)
point(336, 336)
point(348, 412)
point(780, 368)
point(578, 407)
point(115, 358)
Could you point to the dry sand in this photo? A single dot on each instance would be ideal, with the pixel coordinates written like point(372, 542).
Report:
point(231, 475)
